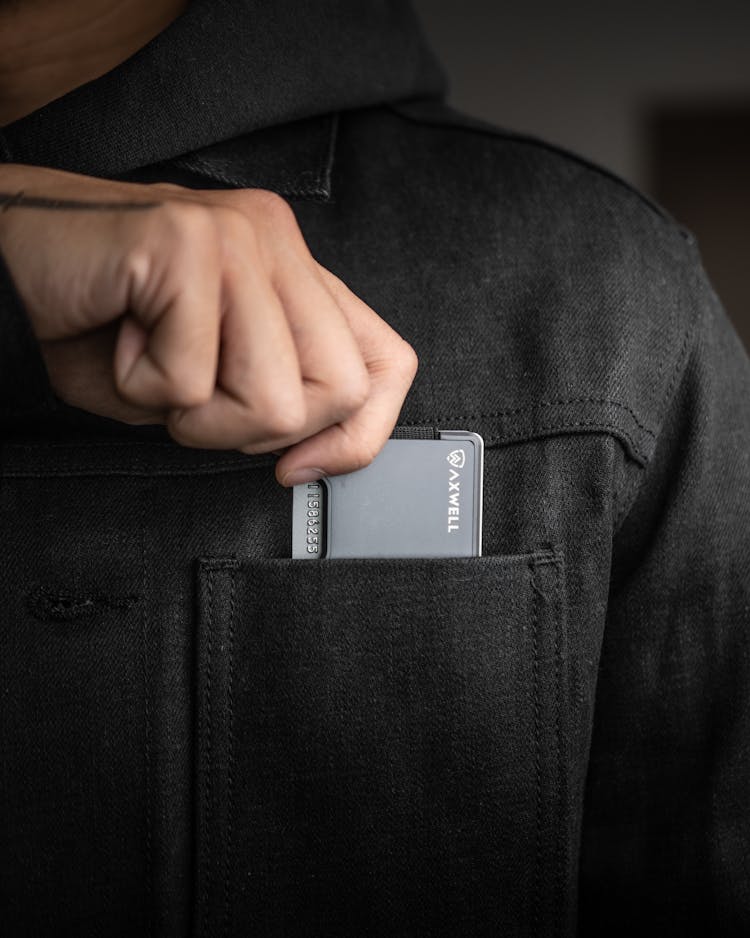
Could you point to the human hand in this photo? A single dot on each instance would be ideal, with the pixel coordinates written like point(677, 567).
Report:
point(203, 310)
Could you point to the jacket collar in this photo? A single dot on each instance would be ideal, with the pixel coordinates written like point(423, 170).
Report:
point(226, 69)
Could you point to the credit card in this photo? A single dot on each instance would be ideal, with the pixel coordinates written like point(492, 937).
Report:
point(417, 498)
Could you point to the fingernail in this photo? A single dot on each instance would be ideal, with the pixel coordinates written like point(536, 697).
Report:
point(298, 476)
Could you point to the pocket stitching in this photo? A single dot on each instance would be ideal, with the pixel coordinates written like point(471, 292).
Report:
point(210, 870)
point(231, 745)
point(217, 862)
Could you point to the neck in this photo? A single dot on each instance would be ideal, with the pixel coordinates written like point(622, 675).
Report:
point(50, 47)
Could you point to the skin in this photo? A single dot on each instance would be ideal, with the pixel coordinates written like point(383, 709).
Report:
point(200, 309)
point(50, 47)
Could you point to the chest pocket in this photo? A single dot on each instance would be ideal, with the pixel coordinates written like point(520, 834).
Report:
point(381, 747)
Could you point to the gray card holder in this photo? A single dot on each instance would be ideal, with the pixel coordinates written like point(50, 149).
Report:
point(419, 497)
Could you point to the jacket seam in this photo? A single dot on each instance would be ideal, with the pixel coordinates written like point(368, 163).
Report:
point(138, 466)
point(230, 839)
point(628, 496)
point(420, 420)
point(141, 468)
point(216, 750)
point(206, 794)
point(147, 657)
point(557, 796)
point(552, 403)
point(521, 435)
point(484, 128)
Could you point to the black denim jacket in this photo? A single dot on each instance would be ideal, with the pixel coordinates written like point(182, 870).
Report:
point(199, 734)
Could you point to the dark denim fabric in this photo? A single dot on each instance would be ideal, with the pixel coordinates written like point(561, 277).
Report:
point(199, 735)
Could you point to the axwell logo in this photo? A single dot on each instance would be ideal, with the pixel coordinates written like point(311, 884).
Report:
point(457, 459)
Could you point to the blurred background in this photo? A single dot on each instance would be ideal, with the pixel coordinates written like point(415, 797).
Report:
point(657, 91)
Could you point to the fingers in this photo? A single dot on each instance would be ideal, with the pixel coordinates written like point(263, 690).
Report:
point(168, 345)
point(288, 368)
point(222, 324)
point(245, 342)
point(258, 396)
point(335, 377)
point(355, 441)
point(80, 368)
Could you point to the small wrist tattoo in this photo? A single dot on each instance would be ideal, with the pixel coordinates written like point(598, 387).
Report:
point(21, 200)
